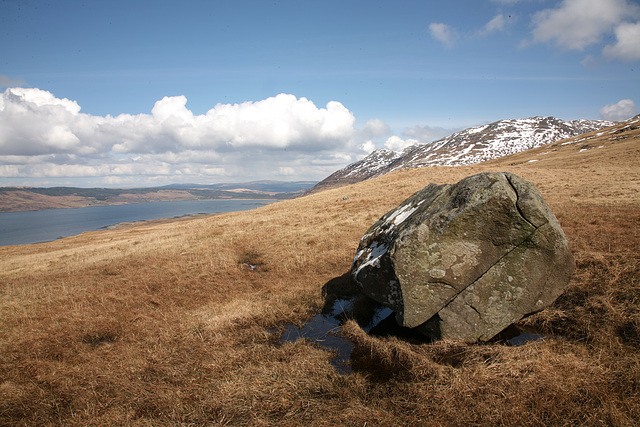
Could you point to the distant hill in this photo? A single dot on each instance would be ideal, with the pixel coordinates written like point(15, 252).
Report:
point(258, 186)
point(466, 147)
point(32, 198)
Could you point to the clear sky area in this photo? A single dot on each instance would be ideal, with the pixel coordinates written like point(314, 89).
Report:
point(145, 93)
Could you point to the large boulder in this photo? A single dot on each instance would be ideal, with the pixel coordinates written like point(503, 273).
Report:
point(465, 261)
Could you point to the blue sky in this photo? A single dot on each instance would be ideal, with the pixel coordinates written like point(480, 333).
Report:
point(143, 93)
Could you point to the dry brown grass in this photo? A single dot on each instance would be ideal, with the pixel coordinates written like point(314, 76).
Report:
point(162, 324)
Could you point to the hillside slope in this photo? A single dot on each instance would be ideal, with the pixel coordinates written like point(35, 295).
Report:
point(168, 325)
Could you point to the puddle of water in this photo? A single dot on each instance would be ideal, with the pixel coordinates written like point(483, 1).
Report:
point(517, 336)
point(388, 327)
point(322, 329)
point(379, 316)
point(524, 338)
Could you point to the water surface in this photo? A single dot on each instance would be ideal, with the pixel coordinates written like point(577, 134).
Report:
point(19, 228)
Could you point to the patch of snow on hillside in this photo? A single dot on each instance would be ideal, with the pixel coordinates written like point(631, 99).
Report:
point(476, 129)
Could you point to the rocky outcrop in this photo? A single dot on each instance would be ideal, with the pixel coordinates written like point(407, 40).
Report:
point(465, 261)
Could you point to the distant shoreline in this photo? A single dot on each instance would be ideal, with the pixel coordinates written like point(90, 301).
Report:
point(121, 225)
point(77, 205)
point(20, 228)
point(25, 199)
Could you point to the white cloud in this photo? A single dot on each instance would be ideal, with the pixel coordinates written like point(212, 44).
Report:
point(45, 136)
point(374, 128)
point(627, 46)
point(443, 33)
point(621, 110)
point(42, 123)
point(33, 121)
point(410, 136)
point(425, 134)
point(368, 147)
point(449, 36)
point(578, 24)
point(42, 99)
point(398, 144)
point(6, 81)
point(496, 24)
point(279, 122)
point(287, 171)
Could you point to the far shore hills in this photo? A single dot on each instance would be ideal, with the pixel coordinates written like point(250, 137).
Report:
point(15, 199)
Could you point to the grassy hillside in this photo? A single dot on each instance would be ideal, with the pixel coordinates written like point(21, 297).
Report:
point(163, 324)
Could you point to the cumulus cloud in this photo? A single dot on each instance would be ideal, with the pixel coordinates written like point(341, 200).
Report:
point(410, 136)
point(33, 122)
point(443, 33)
point(42, 135)
point(280, 122)
point(621, 110)
point(368, 147)
point(43, 123)
point(578, 24)
point(398, 144)
point(374, 128)
point(627, 46)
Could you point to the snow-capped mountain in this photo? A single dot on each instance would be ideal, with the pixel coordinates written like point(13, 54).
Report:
point(375, 162)
point(473, 145)
point(491, 141)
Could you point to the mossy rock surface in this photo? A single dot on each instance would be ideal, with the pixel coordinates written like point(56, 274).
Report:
point(466, 260)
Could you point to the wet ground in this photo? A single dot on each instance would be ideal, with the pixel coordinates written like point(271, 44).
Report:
point(324, 329)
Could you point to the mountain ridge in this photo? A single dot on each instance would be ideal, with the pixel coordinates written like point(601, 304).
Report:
point(469, 146)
